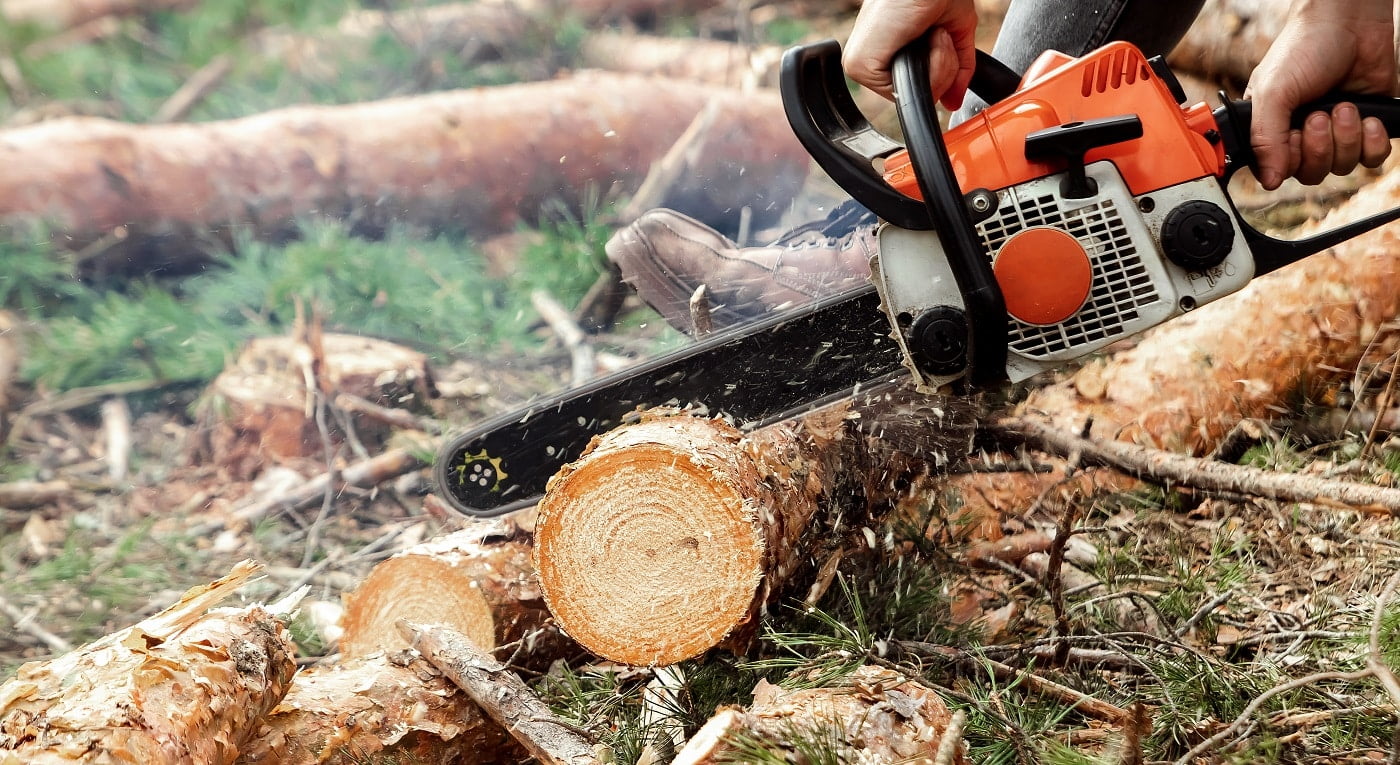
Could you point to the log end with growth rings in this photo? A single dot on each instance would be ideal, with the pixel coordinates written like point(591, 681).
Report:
point(647, 548)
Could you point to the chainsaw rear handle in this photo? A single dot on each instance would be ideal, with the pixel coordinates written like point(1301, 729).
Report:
point(1234, 119)
point(831, 127)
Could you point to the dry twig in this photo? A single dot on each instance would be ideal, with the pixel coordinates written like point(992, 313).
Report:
point(196, 89)
point(502, 695)
point(1165, 467)
point(1244, 719)
point(569, 333)
point(25, 623)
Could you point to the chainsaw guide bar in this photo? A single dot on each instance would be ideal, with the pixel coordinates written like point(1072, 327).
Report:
point(757, 374)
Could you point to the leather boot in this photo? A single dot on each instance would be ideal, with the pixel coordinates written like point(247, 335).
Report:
point(666, 256)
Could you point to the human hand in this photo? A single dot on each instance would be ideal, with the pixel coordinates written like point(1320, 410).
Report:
point(1325, 45)
point(883, 27)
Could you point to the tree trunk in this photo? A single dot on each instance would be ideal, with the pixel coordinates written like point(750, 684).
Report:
point(55, 15)
point(186, 685)
point(669, 536)
point(484, 29)
point(877, 715)
point(481, 160)
point(1229, 39)
point(478, 581)
point(384, 708)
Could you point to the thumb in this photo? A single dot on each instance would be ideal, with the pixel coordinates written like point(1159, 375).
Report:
point(1269, 134)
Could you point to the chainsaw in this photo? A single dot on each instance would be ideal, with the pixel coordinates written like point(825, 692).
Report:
point(1088, 202)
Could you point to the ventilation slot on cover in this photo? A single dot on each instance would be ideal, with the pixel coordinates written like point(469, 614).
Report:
point(1121, 284)
point(1113, 71)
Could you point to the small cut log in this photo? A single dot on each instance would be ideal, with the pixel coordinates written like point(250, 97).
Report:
point(875, 715)
point(381, 708)
point(186, 685)
point(478, 581)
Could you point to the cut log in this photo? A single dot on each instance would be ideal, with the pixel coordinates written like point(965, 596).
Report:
point(478, 581)
point(186, 685)
point(876, 715)
point(478, 30)
point(380, 708)
point(480, 160)
point(669, 536)
point(655, 545)
point(55, 15)
point(263, 407)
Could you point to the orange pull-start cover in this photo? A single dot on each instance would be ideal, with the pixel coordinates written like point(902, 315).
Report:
point(988, 151)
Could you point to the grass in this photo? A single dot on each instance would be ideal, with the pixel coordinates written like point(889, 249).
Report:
point(428, 292)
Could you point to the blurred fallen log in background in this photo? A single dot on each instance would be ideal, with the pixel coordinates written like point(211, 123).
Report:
point(58, 15)
point(142, 197)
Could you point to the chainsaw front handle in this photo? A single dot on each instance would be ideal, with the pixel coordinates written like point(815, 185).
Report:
point(1234, 117)
point(967, 258)
point(831, 127)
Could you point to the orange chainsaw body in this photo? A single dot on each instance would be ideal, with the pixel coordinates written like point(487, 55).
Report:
point(987, 151)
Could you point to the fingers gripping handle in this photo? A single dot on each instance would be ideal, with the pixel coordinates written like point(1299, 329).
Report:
point(1234, 119)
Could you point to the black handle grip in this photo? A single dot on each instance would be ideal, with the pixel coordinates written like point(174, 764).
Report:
point(1235, 118)
point(967, 258)
point(845, 145)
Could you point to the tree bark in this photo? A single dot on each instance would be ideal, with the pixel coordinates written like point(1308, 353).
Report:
point(186, 685)
point(478, 581)
point(480, 160)
point(669, 536)
point(715, 62)
point(478, 30)
point(56, 15)
point(876, 715)
point(389, 708)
